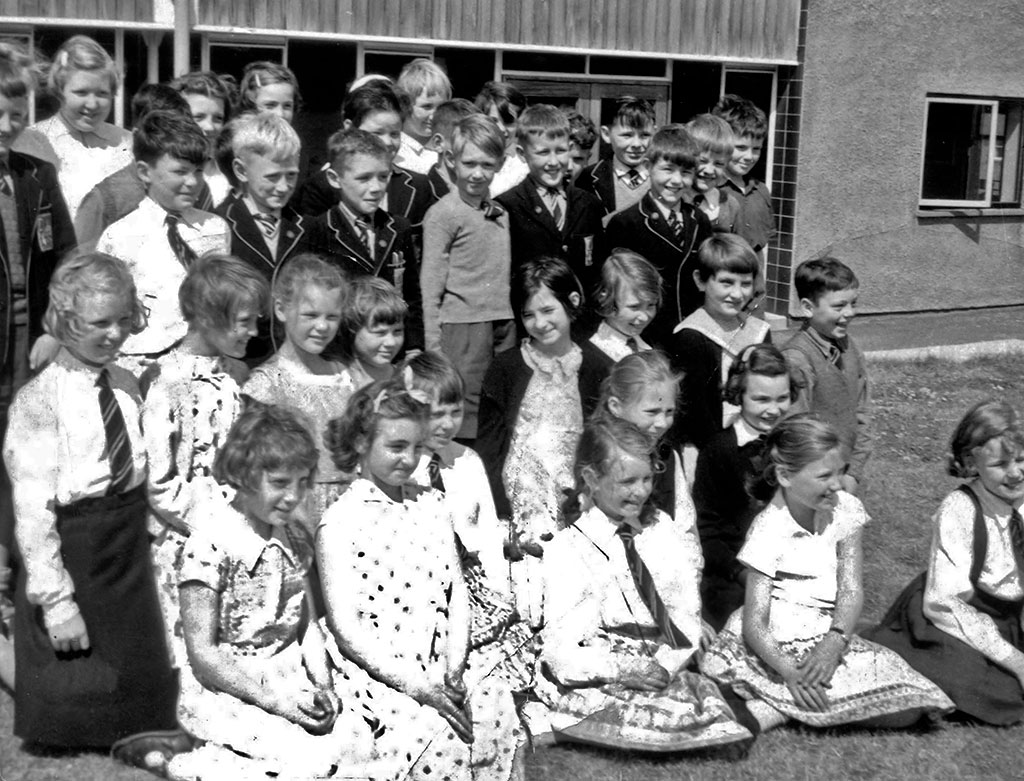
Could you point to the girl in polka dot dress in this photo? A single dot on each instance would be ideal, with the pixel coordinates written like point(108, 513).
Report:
point(397, 603)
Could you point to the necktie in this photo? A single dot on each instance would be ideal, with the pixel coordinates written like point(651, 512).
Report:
point(434, 470)
point(118, 449)
point(491, 210)
point(835, 356)
point(363, 228)
point(554, 197)
point(5, 179)
point(675, 223)
point(267, 224)
point(1017, 538)
point(634, 178)
point(632, 345)
point(184, 253)
point(648, 591)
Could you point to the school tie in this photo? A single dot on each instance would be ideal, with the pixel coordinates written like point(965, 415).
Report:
point(184, 253)
point(491, 210)
point(1017, 539)
point(5, 179)
point(632, 345)
point(675, 222)
point(434, 470)
point(835, 355)
point(634, 179)
point(267, 224)
point(118, 449)
point(648, 591)
point(363, 229)
point(554, 198)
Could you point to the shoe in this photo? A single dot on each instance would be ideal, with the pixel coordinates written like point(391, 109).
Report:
point(152, 750)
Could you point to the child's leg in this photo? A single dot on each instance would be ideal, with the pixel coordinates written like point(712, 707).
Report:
point(470, 347)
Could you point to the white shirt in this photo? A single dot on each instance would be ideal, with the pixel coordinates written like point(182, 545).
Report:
point(140, 240)
point(512, 172)
point(55, 454)
point(613, 343)
point(413, 156)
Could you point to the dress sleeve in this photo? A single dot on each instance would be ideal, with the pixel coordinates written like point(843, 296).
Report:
point(203, 561)
point(761, 550)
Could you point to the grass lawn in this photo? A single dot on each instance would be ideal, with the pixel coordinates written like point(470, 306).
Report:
point(917, 405)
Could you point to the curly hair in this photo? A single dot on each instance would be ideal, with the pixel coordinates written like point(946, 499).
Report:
point(985, 421)
point(264, 438)
point(83, 275)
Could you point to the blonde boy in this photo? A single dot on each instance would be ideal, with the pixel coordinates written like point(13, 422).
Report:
point(427, 87)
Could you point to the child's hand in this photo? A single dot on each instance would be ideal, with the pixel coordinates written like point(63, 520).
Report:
point(643, 675)
point(449, 704)
point(43, 351)
point(818, 667)
point(806, 696)
point(323, 711)
point(707, 636)
point(71, 635)
point(310, 709)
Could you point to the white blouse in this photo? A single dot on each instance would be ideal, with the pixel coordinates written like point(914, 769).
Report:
point(613, 343)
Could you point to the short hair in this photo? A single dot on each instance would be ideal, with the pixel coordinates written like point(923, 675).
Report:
point(508, 101)
point(745, 118)
point(86, 274)
point(80, 53)
point(674, 144)
point(371, 301)
point(712, 134)
point(624, 268)
point(794, 442)
point(357, 426)
point(211, 85)
point(302, 271)
point(263, 73)
point(343, 145)
point(814, 278)
point(482, 132)
point(633, 374)
point(449, 114)
point(435, 374)
point(552, 273)
point(582, 131)
point(372, 98)
point(158, 97)
point(264, 438)
point(985, 421)
point(632, 112)
point(424, 77)
point(216, 287)
point(763, 359)
point(266, 135)
point(541, 120)
point(167, 133)
point(726, 252)
point(223, 153)
point(19, 72)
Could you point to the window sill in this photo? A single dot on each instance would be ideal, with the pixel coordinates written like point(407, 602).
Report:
point(969, 213)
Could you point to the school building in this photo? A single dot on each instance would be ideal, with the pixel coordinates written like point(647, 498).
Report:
point(895, 126)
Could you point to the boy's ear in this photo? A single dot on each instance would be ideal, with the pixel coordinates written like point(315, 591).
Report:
point(520, 153)
point(436, 143)
point(606, 134)
point(806, 307)
point(239, 169)
point(590, 478)
point(575, 300)
point(142, 168)
point(279, 312)
point(449, 158)
point(700, 283)
point(332, 178)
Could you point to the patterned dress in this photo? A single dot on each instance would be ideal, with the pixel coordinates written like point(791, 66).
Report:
point(870, 681)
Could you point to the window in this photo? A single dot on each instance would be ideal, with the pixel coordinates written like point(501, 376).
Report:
point(972, 153)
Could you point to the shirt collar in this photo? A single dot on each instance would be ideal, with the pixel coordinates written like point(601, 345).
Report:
point(622, 171)
point(824, 344)
point(665, 210)
point(251, 547)
point(250, 204)
point(745, 433)
point(414, 146)
point(607, 333)
point(352, 217)
point(158, 212)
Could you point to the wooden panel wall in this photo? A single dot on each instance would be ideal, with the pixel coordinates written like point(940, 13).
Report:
point(106, 10)
point(757, 29)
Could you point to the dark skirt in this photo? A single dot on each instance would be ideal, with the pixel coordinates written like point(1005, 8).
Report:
point(979, 687)
point(124, 683)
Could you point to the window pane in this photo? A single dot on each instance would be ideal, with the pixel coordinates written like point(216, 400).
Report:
point(1006, 179)
point(956, 151)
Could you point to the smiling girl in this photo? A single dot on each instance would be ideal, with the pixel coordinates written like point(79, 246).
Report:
point(627, 297)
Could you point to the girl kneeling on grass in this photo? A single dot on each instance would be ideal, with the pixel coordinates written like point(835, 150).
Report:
point(790, 651)
point(959, 623)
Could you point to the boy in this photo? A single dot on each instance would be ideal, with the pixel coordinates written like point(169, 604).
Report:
point(428, 87)
point(755, 220)
point(466, 274)
point(547, 216)
point(666, 229)
point(166, 232)
point(582, 137)
point(829, 363)
point(358, 235)
point(622, 181)
point(447, 116)
point(707, 342)
point(265, 230)
point(713, 137)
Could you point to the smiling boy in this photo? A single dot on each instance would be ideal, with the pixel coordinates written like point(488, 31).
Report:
point(622, 181)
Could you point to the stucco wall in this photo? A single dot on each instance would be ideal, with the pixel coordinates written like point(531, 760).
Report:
point(868, 67)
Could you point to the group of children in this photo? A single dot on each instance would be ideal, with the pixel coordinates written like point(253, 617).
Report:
point(376, 474)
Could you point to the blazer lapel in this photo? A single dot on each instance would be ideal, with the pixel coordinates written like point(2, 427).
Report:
point(656, 223)
point(401, 193)
point(28, 196)
point(386, 234)
point(574, 209)
point(345, 236)
point(292, 231)
point(244, 228)
point(538, 210)
point(438, 186)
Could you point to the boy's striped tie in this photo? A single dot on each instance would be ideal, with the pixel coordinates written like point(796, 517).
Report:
point(118, 449)
point(184, 253)
point(648, 591)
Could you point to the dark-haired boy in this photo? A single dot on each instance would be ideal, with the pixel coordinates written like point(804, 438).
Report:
point(582, 137)
point(446, 117)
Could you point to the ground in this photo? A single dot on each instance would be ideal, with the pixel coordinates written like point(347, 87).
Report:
point(917, 406)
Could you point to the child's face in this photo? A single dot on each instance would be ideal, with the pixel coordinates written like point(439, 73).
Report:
point(311, 319)
point(1001, 470)
point(726, 293)
point(362, 182)
point(831, 314)
point(474, 171)
point(671, 183)
point(445, 422)
point(547, 322)
point(653, 410)
point(387, 126)
point(104, 321)
point(207, 112)
point(765, 400)
point(268, 181)
point(13, 118)
point(172, 182)
point(815, 486)
point(746, 151)
point(579, 158)
point(632, 313)
point(547, 159)
point(86, 99)
point(278, 98)
point(709, 169)
point(277, 496)
point(621, 491)
point(231, 340)
point(377, 345)
point(420, 123)
point(629, 144)
point(389, 460)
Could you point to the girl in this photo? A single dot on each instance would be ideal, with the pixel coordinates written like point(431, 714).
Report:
point(91, 661)
point(959, 623)
point(504, 103)
point(627, 297)
point(621, 612)
point(791, 651)
point(397, 602)
point(269, 86)
point(372, 329)
point(308, 301)
point(258, 686)
point(192, 397)
point(210, 99)
point(532, 406)
point(78, 140)
point(762, 385)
